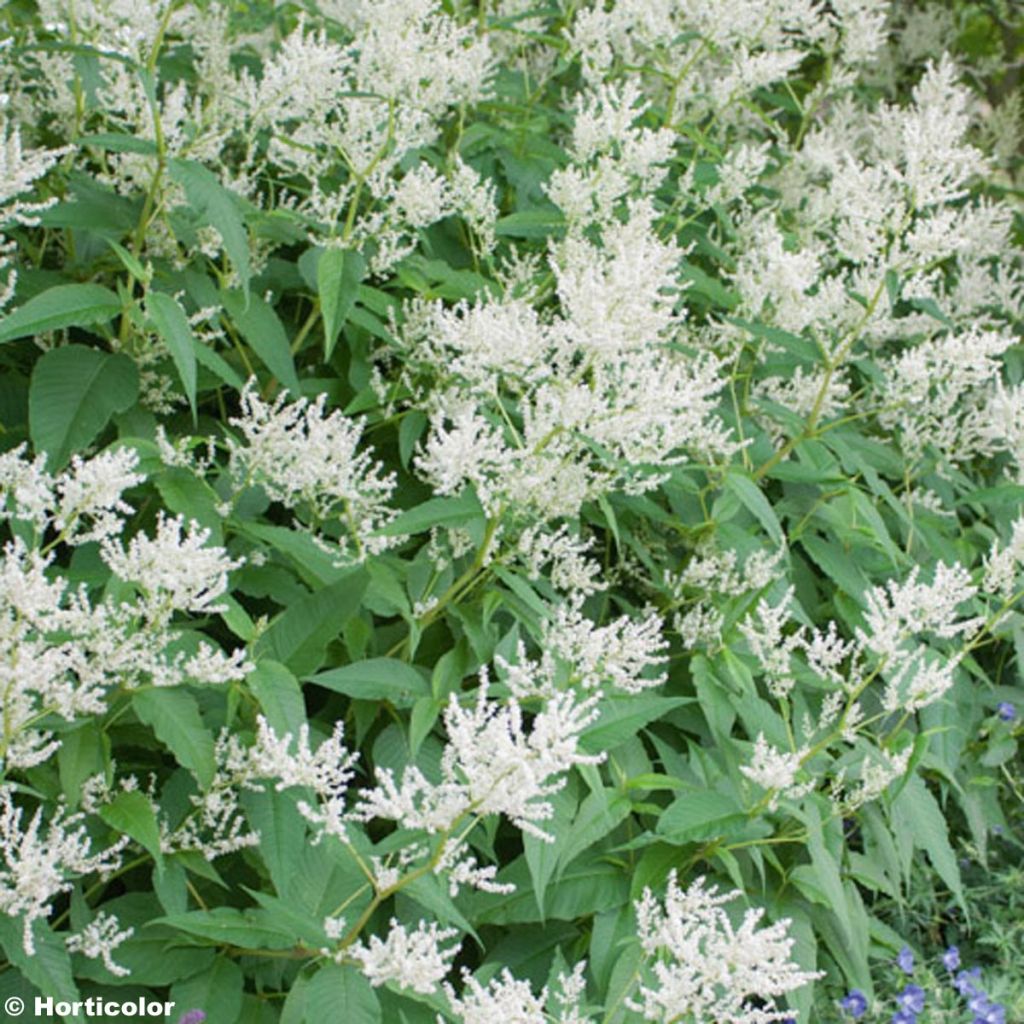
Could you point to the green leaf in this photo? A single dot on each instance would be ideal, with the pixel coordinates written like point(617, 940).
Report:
point(73, 393)
point(186, 494)
point(299, 637)
point(172, 325)
point(623, 717)
point(435, 512)
point(338, 274)
point(280, 696)
point(586, 887)
point(265, 335)
point(599, 814)
point(699, 815)
point(756, 503)
point(919, 812)
point(173, 715)
point(118, 143)
point(217, 207)
point(531, 224)
point(826, 871)
point(217, 991)
point(340, 993)
point(132, 814)
point(79, 757)
point(65, 305)
point(218, 366)
point(250, 929)
point(377, 679)
point(541, 856)
point(49, 967)
point(282, 832)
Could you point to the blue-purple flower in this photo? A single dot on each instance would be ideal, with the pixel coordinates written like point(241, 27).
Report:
point(991, 1013)
point(1006, 711)
point(951, 958)
point(192, 1017)
point(964, 982)
point(911, 999)
point(854, 1003)
point(903, 1017)
point(905, 959)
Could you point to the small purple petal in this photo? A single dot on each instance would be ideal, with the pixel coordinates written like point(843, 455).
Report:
point(905, 959)
point(964, 982)
point(911, 999)
point(951, 958)
point(193, 1017)
point(1007, 711)
point(854, 1003)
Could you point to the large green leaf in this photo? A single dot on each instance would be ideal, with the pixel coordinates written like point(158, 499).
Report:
point(251, 929)
point(338, 273)
point(73, 393)
point(282, 831)
point(217, 991)
point(219, 208)
point(622, 717)
point(919, 813)
point(172, 325)
point(173, 715)
point(300, 635)
point(64, 305)
point(340, 993)
point(699, 815)
point(132, 813)
point(280, 696)
point(377, 679)
point(263, 331)
point(49, 967)
point(435, 512)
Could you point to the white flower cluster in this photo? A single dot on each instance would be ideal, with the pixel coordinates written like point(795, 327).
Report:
point(696, 966)
point(899, 644)
point(98, 940)
point(60, 652)
point(705, 586)
point(38, 862)
point(871, 238)
point(414, 960)
point(492, 764)
point(777, 771)
point(702, 968)
point(576, 652)
point(540, 416)
point(19, 169)
point(339, 103)
point(310, 462)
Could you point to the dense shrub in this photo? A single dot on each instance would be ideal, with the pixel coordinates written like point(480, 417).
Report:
point(511, 510)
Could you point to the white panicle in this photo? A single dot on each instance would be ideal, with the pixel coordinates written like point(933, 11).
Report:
point(701, 968)
point(310, 461)
point(98, 940)
point(38, 863)
point(416, 960)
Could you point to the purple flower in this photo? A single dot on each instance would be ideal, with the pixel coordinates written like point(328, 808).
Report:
point(951, 958)
point(991, 1013)
point(854, 1003)
point(904, 1017)
point(911, 999)
point(964, 982)
point(905, 959)
point(1006, 711)
point(192, 1017)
